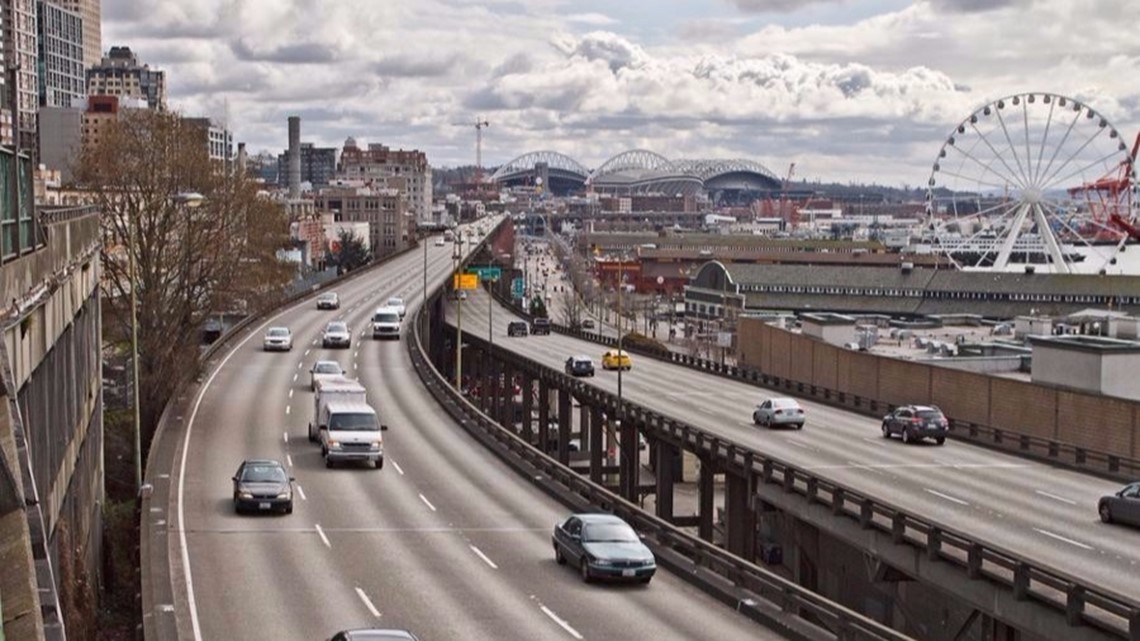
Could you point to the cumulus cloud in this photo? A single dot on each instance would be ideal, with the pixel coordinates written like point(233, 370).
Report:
point(778, 6)
point(971, 6)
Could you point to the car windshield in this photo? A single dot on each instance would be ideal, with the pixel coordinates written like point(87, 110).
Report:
point(326, 367)
point(784, 403)
point(278, 332)
point(337, 327)
point(929, 414)
point(353, 422)
point(327, 296)
point(263, 474)
point(395, 302)
point(609, 533)
point(386, 318)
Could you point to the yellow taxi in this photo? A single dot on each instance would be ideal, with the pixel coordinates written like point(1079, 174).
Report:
point(616, 359)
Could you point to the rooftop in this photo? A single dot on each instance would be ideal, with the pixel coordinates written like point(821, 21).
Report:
point(1083, 343)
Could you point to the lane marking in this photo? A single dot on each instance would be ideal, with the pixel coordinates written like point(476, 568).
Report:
point(321, 533)
point(1064, 539)
point(285, 435)
point(286, 410)
point(565, 626)
point(300, 365)
point(952, 499)
point(295, 377)
point(486, 560)
point(301, 492)
point(289, 460)
point(290, 393)
point(427, 502)
point(398, 468)
point(1056, 498)
point(860, 466)
point(367, 603)
point(309, 350)
point(798, 444)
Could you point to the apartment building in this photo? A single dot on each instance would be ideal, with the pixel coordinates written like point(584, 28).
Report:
point(62, 81)
point(120, 73)
point(378, 162)
point(218, 140)
point(18, 20)
point(91, 13)
point(384, 209)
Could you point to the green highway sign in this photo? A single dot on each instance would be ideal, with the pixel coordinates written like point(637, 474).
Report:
point(486, 273)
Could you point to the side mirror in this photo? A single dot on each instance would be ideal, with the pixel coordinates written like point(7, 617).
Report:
point(641, 536)
point(292, 478)
point(234, 479)
point(383, 428)
point(575, 537)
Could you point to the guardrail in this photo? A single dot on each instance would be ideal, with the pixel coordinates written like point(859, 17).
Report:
point(695, 555)
point(1084, 459)
point(1114, 613)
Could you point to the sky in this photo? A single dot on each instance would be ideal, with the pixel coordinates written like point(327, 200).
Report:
point(849, 90)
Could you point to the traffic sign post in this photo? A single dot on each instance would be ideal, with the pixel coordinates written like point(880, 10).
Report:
point(486, 273)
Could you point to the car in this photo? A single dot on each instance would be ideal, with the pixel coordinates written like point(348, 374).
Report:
point(1122, 507)
point(337, 334)
point(322, 370)
point(386, 323)
point(516, 328)
point(602, 546)
point(540, 326)
point(616, 359)
point(397, 303)
point(263, 485)
point(278, 339)
point(778, 412)
point(374, 634)
point(588, 323)
point(916, 422)
point(440, 242)
point(328, 300)
point(580, 366)
point(459, 294)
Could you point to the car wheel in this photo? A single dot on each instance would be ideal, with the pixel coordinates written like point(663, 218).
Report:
point(886, 431)
point(756, 418)
point(289, 508)
point(799, 426)
point(906, 436)
point(328, 463)
point(378, 465)
point(558, 558)
point(940, 440)
point(646, 580)
point(1105, 513)
point(584, 570)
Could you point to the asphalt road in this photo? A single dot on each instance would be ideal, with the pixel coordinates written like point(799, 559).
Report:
point(1044, 513)
point(444, 540)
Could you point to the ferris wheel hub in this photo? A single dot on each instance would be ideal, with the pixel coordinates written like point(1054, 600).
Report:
point(1032, 195)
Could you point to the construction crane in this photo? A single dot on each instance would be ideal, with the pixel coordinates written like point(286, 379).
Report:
point(788, 212)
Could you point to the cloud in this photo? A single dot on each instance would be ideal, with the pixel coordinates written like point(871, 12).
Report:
point(593, 19)
point(707, 29)
point(293, 54)
point(975, 6)
point(779, 6)
point(405, 66)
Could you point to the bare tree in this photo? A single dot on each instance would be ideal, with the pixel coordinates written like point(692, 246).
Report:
point(571, 307)
point(202, 238)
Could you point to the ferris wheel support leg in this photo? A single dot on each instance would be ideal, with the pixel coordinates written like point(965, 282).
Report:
point(1011, 234)
point(1050, 239)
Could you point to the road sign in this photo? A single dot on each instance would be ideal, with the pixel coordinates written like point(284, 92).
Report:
point(486, 273)
point(518, 287)
point(466, 281)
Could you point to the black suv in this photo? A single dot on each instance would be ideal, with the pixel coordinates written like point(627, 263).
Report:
point(516, 328)
point(580, 366)
point(916, 422)
point(540, 326)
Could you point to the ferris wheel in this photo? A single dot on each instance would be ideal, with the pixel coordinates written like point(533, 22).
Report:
point(1032, 179)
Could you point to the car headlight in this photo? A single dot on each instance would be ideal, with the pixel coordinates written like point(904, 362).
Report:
point(603, 563)
point(245, 495)
point(376, 445)
point(283, 495)
point(334, 445)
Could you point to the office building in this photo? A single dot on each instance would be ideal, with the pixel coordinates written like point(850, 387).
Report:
point(61, 139)
point(100, 110)
point(218, 140)
point(91, 13)
point(62, 80)
point(378, 162)
point(120, 73)
point(385, 210)
point(318, 165)
point(21, 50)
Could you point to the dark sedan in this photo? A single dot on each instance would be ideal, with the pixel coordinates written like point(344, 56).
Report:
point(374, 634)
point(602, 546)
point(263, 485)
point(580, 366)
point(1122, 507)
point(516, 328)
point(540, 326)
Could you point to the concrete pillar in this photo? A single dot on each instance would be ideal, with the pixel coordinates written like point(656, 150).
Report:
point(740, 520)
point(705, 503)
point(583, 427)
point(490, 383)
point(565, 423)
point(543, 414)
point(597, 444)
point(528, 408)
point(630, 461)
point(664, 451)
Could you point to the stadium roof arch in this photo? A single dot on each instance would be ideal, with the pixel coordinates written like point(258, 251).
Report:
point(565, 173)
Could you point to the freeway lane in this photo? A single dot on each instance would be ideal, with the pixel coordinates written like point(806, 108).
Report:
point(444, 539)
point(1044, 513)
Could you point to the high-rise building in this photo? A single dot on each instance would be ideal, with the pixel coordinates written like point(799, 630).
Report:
point(91, 13)
point(62, 80)
point(379, 162)
point(20, 50)
point(61, 139)
point(219, 141)
point(119, 73)
point(318, 165)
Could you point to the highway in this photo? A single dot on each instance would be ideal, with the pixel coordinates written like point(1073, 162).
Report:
point(444, 540)
point(1044, 513)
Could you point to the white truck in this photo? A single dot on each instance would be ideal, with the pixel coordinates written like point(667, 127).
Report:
point(345, 425)
point(386, 323)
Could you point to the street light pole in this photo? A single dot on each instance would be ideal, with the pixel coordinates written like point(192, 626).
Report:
point(424, 299)
point(458, 317)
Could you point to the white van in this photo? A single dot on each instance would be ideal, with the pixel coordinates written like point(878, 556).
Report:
point(386, 323)
point(351, 431)
point(325, 391)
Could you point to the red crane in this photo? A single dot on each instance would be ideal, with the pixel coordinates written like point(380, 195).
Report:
point(1110, 198)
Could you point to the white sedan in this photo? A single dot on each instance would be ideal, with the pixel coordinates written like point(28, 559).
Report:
point(278, 339)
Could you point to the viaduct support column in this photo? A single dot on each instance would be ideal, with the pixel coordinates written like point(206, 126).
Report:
point(630, 461)
point(565, 422)
point(705, 499)
point(740, 520)
point(597, 446)
point(528, 408)
point(583, 426)
point(665, 452)
point(543, 415)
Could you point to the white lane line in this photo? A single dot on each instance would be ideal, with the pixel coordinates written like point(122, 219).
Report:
point(398, 468)
point(367, 603)
point(301, 492)
point(307, 352)
point(289, 460)
point(427, 503)
point(565, 626)
point(798, 444)
point(1064, 539)
point(285, 435)
point(295, 377)
point(952, 499)
point(300, 365)
point(863, 467)
point(290, 393)
point(324, 539)
point(286, 410)
point(1056, 498)
point(486, 560)
point(356, 354)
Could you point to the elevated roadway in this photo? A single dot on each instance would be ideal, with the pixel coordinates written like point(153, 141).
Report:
point(443, 540)
point(1046, 514)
